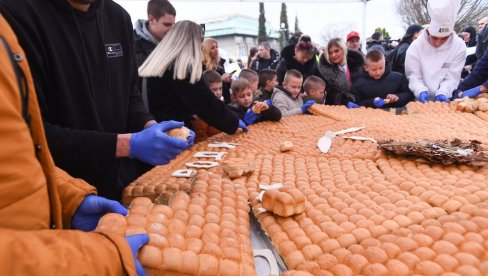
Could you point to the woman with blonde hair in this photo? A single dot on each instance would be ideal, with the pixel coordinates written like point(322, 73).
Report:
point(213, 61)
point(176, 65)
point(339, 68)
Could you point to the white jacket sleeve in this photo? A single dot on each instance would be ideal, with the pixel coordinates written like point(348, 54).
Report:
point(453, 76)
point(413, 71)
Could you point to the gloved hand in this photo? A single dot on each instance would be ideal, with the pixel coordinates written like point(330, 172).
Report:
point(268, 102)
point(306, 105)
point(441, 98)
point(423, 97)
point(243, 126)
point(135, 243)
point(379, 102)
point(191, 138)
point(91, 209)
point(154, 146)
point(250, 116)
point(352, 105)
point(473, 92)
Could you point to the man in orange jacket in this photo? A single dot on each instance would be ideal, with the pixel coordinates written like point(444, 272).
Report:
point(39, 202)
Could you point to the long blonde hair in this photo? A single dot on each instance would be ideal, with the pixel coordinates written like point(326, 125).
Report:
point(179, 50)
point(209, 62)
point(337, 42)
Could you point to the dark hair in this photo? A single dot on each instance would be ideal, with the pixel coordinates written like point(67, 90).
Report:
point(472, 32)
point(252, 52)
point(305, 38)
point(292, 73)
point(211, 76)
point(374, 55)
point(376, 36)
point(239, 85)
point(266, 75)
point(249, 75)
point(411, 30)
point(313, 82)
point(158, 8)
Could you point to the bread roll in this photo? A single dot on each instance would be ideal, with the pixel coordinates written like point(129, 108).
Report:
point(209, 265)
point(284, 202)
point(181, 133)
point(150, 256)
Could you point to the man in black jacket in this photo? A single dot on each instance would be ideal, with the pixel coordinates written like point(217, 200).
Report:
point(267, 58)
point(81, 55)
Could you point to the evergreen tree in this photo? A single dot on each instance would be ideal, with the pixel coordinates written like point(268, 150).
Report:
point(284, 21)
point(297, 29)
point(386, 35)
point(262, 35)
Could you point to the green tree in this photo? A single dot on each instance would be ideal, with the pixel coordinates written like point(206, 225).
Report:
point(386, 35)
point(297, 29)
point(284, 28)
point(262, 35)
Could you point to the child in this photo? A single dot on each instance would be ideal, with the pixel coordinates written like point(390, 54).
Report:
point(378, 86)
point(246, 109)
point(252, 77)
point(314, 88)
point(287, 99)
point(267, 83)
point(214, 81)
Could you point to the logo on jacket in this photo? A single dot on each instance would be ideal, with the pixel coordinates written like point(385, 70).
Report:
point(446, 65)
point(114, 50)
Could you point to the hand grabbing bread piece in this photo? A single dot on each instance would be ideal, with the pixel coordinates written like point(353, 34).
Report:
point(181, 133)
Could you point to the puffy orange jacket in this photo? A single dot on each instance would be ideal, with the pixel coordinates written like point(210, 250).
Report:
point(37, 200)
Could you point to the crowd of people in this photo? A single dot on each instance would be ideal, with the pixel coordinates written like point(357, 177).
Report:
point(88, 99)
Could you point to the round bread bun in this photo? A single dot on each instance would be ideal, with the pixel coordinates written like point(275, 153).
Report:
point(181, 133)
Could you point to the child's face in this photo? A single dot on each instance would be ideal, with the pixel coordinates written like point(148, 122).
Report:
point(271, 83)
point(317, 94)
point(375, 69)
point(216, 88)
point(293, 86)
point(243, 98)
point(254, 85)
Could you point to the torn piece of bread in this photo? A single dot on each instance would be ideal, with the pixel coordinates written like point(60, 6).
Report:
point(286, 146)
point(181, 133)
point(285, 202)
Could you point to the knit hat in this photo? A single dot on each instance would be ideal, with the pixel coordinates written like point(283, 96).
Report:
point(352, 35)
point(443, 14)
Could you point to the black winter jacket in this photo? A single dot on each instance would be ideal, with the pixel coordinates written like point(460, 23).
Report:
point(85, 75)
point(259, 63)
point(272, 114)
point(479, 75)
point(289, 62)
point(397, 61)
point(337, 86)
point(365, 89)
point(179, 100)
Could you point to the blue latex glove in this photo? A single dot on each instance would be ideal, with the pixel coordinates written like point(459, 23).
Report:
point(154, 146)
point(250, 116)
point(135, 243)
point(352, 105)
point(441, 98)
point(191, 138)
point(473, 92)
point(243, 126)
point(379, 102)
point(268, 102)
point(91, 209)
point(423, 97)
point(307, 105)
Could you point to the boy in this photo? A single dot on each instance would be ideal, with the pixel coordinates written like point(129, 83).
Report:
point(252, 77)
point(378, 86)
point(267, 82)
point(248, 111)
point(214, 81)
point(287, 99)
point(314, 88)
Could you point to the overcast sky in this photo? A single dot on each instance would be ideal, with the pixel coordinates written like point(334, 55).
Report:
point(315, 19)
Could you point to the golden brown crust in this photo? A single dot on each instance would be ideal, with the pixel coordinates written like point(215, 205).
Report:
point(181, 133)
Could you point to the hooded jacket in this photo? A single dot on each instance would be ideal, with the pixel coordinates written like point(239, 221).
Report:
point(144, 41)
point(260, 63)
point(289, 62)
point(287, 104)
point(479, 75)
point(436, 70)
point(85, 77)
point(37, 200)
point(366, 89)
point(336, 83)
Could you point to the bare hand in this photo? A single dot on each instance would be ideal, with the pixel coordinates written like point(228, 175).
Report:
point(262, 106)
point(226, 77)
point(393, 98)
point(468, 68)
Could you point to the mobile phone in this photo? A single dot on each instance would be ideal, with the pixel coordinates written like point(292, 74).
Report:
point(232, 72)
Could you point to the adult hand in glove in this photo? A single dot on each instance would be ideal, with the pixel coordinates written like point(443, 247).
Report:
point(423, 97)
point(352, 105)
point(243, 126)
point(250, 116)
point(472, 93)
point(91, 209)
point(154, 146)
point(441, 98)
point(135, 243)
point(307, 105)
point(379, 102)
